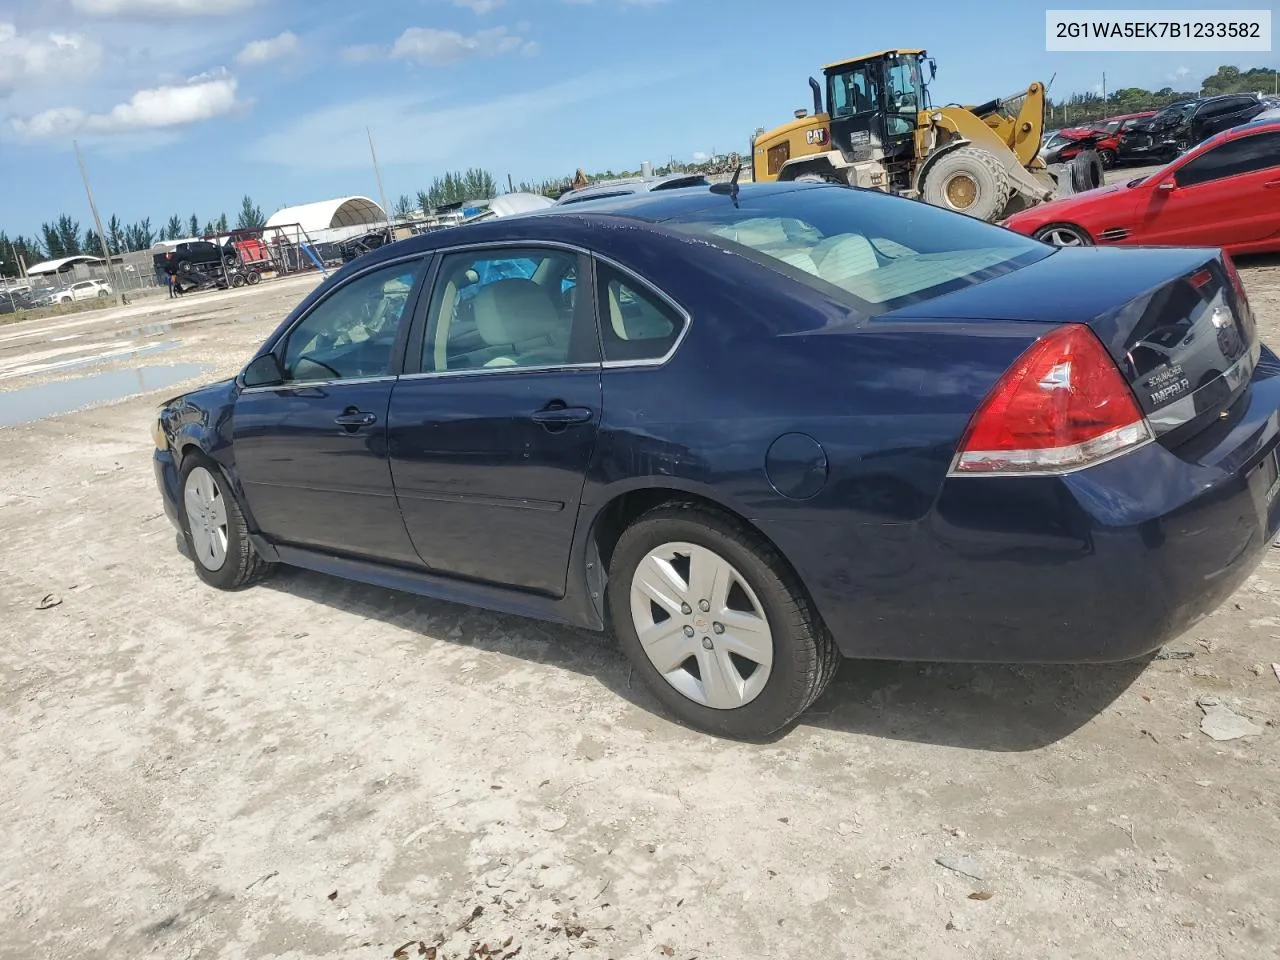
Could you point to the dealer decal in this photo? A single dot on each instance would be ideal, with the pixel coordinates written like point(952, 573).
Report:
point(1167, 384)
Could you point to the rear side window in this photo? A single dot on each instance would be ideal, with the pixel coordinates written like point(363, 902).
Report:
point(869, 249)
point(636, 324)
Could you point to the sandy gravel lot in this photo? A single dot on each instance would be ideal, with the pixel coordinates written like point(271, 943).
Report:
point(317, 769)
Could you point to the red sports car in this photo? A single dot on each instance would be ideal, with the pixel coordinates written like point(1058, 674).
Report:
point(1223, 193)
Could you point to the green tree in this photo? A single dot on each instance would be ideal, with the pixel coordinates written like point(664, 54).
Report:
point(115, 235)
point(454, 187)
point(222, 224)
point(208, 229)
point(193, 226)
point(250, 215)
point(92, 246)
point(403, 209)
point(52, 242)
point(172, 229)
point(139, 236)
point(69, 234)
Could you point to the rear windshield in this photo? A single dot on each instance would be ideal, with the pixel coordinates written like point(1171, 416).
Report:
point(874, 251)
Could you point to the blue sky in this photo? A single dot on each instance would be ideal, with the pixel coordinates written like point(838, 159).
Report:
point(184, 106)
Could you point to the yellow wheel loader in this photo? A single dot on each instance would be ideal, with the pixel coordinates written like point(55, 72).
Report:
point(879, 130)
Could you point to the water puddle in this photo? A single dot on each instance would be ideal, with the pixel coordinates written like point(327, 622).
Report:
point(94, 359)
point(51, 399)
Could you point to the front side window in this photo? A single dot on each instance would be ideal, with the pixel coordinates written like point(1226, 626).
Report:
point(351, 334)
point(874, 251)
point(1242, 155)
point(508, 308)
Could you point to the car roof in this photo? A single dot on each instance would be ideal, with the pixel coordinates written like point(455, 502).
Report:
point(629, 185)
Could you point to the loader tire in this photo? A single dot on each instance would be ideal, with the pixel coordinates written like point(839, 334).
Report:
point(1086, 171)
point(970, 181)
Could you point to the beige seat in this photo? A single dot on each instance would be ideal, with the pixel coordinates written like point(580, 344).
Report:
point(843, 257)
point(517, 318)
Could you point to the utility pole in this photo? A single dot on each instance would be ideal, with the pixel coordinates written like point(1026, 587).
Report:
point(1104, 89)
point(97, 223)
point(511, 187)
point(382, 194)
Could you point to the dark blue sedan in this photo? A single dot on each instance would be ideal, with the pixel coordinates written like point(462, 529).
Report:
point(753, 432)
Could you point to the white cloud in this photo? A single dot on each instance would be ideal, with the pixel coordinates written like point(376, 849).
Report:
point(1179, 74)
point(160, 8)
point(479, 6)
point(261, 51)
point(699, 156)
point(33, 58)
point(202, 98)
point(429, 45)
point(437, 47)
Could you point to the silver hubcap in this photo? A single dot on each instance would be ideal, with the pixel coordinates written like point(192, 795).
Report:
point(206, 519)
point(1062, 237)
point(701, 625)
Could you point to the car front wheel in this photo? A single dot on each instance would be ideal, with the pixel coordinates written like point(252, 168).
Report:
point(716, 624)
point(1063, 235)
point(215, 529)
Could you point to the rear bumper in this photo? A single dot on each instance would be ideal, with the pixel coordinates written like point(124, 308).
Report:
point(166, 471)
point(1104, 565)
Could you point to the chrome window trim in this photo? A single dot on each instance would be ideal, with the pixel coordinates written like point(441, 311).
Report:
point(312, 384)
point(574, 248)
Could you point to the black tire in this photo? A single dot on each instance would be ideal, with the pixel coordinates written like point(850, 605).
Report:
point(102, 294)
point(238, 280)
point(1086, 171)
point(805, 658)
point(186, 268)
point(1108, 158)
point(254, 277)
point(242, 565)
point(229, 260)
point(1054, 233)
point(968, 180)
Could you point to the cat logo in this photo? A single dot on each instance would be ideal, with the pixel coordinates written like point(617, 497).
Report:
point(815, 136)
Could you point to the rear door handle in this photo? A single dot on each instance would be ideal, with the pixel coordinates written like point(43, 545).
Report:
point(1271, 185)
point(563, 416)
point(355, 418)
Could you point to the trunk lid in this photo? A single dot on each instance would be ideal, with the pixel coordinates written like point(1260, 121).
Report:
point(1176, 322)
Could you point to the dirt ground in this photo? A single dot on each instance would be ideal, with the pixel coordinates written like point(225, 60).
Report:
point(318, 769)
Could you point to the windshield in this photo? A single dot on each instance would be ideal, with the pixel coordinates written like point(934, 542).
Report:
point(871, 250)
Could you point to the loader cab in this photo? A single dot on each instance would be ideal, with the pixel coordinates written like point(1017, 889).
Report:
point(875, 101)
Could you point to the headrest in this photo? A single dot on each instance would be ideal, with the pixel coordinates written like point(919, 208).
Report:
point(514, 311)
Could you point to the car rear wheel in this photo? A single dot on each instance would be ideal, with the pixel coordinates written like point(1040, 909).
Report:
point(716, 624)
point(1108, 158)
point(215, 529)
point(1063, 235)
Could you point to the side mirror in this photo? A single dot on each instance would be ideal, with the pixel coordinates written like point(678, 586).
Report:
point(265, 371)
point(933, 69)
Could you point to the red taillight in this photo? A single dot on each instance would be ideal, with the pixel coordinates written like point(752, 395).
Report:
point(1063, 405)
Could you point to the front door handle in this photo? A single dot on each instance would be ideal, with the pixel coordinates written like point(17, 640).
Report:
point(355, 418)
point(1271, 185)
